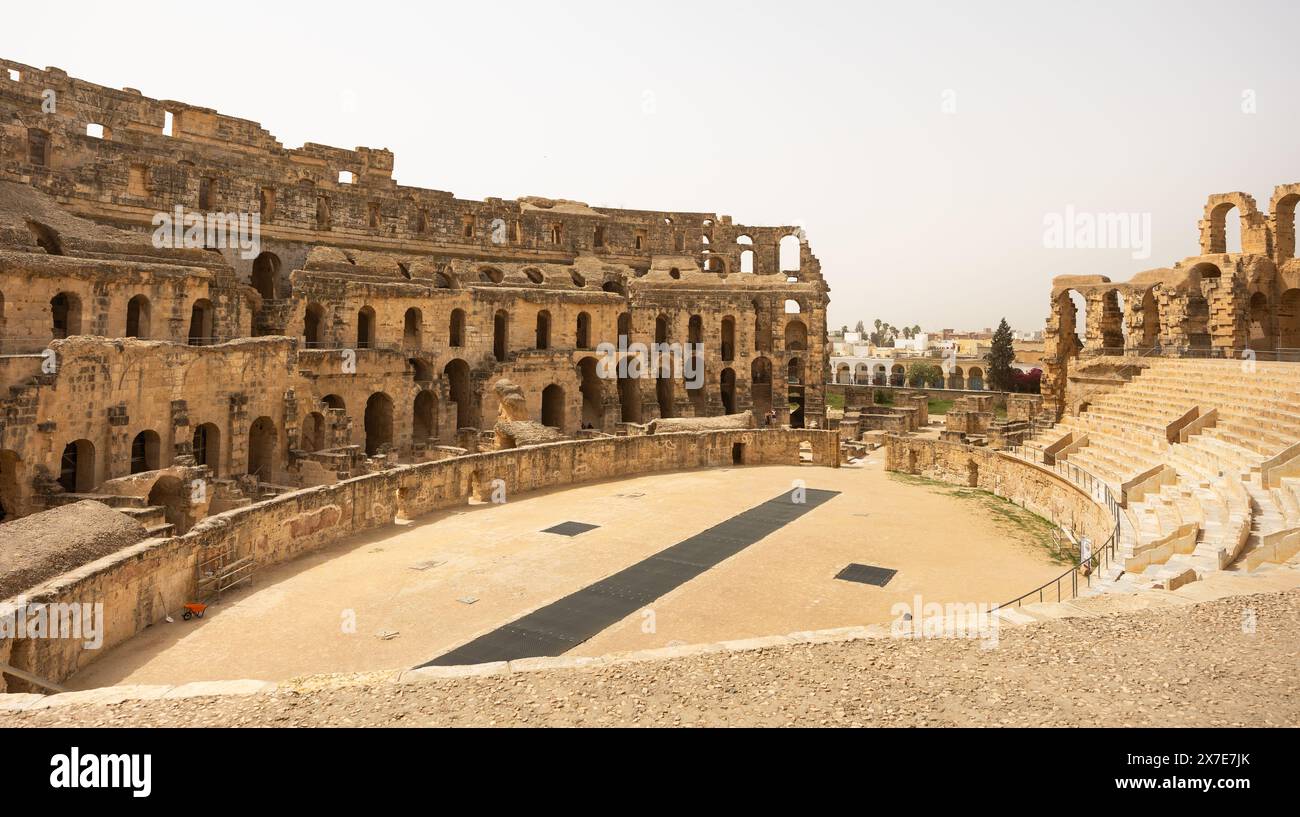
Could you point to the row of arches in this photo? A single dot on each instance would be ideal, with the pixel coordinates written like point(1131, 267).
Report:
point(970, 378)
point(66, 318)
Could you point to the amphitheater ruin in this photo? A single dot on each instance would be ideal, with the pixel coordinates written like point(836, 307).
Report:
point(397, 406)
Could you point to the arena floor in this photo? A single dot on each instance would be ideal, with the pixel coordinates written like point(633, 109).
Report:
point(403, 596)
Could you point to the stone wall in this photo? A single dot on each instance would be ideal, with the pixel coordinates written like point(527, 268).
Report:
point(145, 583)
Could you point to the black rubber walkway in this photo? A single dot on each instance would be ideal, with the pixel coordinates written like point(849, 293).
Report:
point(559, 627)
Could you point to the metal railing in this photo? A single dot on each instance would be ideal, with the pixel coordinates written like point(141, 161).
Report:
point(1100, 558)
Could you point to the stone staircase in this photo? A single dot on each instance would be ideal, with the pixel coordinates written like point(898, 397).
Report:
point(1211, 507)
point(153, 517)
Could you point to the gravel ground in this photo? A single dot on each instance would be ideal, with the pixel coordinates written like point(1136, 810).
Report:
point(1180, 666)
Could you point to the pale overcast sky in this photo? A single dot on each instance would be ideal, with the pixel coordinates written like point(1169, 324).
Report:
point(830, 115)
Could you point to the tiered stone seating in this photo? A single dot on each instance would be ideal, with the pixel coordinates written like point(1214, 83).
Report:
point(1215, 508)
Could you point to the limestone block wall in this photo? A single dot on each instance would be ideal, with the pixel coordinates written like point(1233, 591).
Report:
point(143, 584)
point(1032, 487)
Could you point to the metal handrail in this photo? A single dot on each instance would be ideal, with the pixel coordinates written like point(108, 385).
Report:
point(1100, 557)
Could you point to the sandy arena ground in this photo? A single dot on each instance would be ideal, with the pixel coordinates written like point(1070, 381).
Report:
point(396, 598)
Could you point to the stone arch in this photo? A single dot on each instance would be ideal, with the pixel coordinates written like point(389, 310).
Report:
point(762, 328)
point(263, 444)
point(1220, 232)
point(138, 317)
point(202, 323)
point(843, 373)
point(789, 255)
point(583, 330)
point(501, 335)
point(312, 435)
point(593, 393)
point(10, 482)
point(456, 329)
point(727, 341)
point(625, 326)
point(898, 375)
point(695, 330)
point(65, 315)
point(77, 467)
point(727, 387)
point(313, 325)
point(760, 386)
point(266, 275)
point(1283, 207)
point(146, 448)
point(957, 378)
point(378, 423)
point(975, 379)
point(862, 375)
point(413, 328)
point(424, 417)
point(796, 336)
point(170, 494)
point(1113, 337)
point(746, 261)
point(206, 445)
point(1263, 335)
point(661, 329)
point(544, 329)
point(1150, 319)
point(553, 406)
point(795, 371)
point(456, 374)
point(664, 395)
point(629, 398)
point(366, 327)
point(1288, 320)
point(880, 377)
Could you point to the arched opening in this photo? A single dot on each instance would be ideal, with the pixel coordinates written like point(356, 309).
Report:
point(661, 329)
point(77, 467)
point(366, 328)
point(1225, 229)
point(898, 375)
point(794, 371)
point(762, 329)
point(553, 406)
point(1112, 322)
point(862, 375)
point(593, 394)
point(379, 424)
point(207, 447)
point(312, 323)
point(728, 340)
point(843, 374)
point(412, 329)
point(629, 399)
point(746, 261)
point(456, 329)
point(334, 403)
point(584, 330)
point(760, 387)
point(789, 251)
point(312, 436)
point(957, 378)
point(1150, 320)
point(695, 330)
point(664, 396)
point(1288, 320)
point(145, 449)
point(202, 332)
point(456, 373)
point(169, 493)
point(727, 383)
point(1069, 317)
point(501, 335)
point(262, 444)
point(137, 317)
point(422, 372)
point(65, 311)
point(625, 327)
point(266, 274)
point(975, 379)
point(881, 376)
point(544, 329)
point(424, 418)
point(1284, 219)
point(9, 485)
point(796, 337)
point(1262, 336)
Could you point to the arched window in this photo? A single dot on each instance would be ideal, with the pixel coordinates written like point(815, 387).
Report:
point(202, 332)
point(366, 328)
point(145, 449)
point(544, 329)
point(412, 329)
point(266, 271)
point(312, 324)
point(456, 332)
point(584, 330)
point(789, 252)
point(65, 309)
point(501, 335)
point(137, 317)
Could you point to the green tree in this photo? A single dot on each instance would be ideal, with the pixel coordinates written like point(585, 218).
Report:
point(1000, 358)
point(862, 328)
point(921, 374)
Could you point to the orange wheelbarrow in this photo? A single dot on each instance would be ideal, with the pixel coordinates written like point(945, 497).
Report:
point(194, 611)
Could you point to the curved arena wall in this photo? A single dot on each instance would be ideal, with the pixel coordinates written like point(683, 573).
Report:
point(141, 585)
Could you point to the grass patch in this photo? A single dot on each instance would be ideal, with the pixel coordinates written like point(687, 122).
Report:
point(1024, 526)
point(940, 406)
point(835, 401)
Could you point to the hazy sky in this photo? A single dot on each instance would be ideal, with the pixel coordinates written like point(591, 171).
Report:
point(829, 115)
